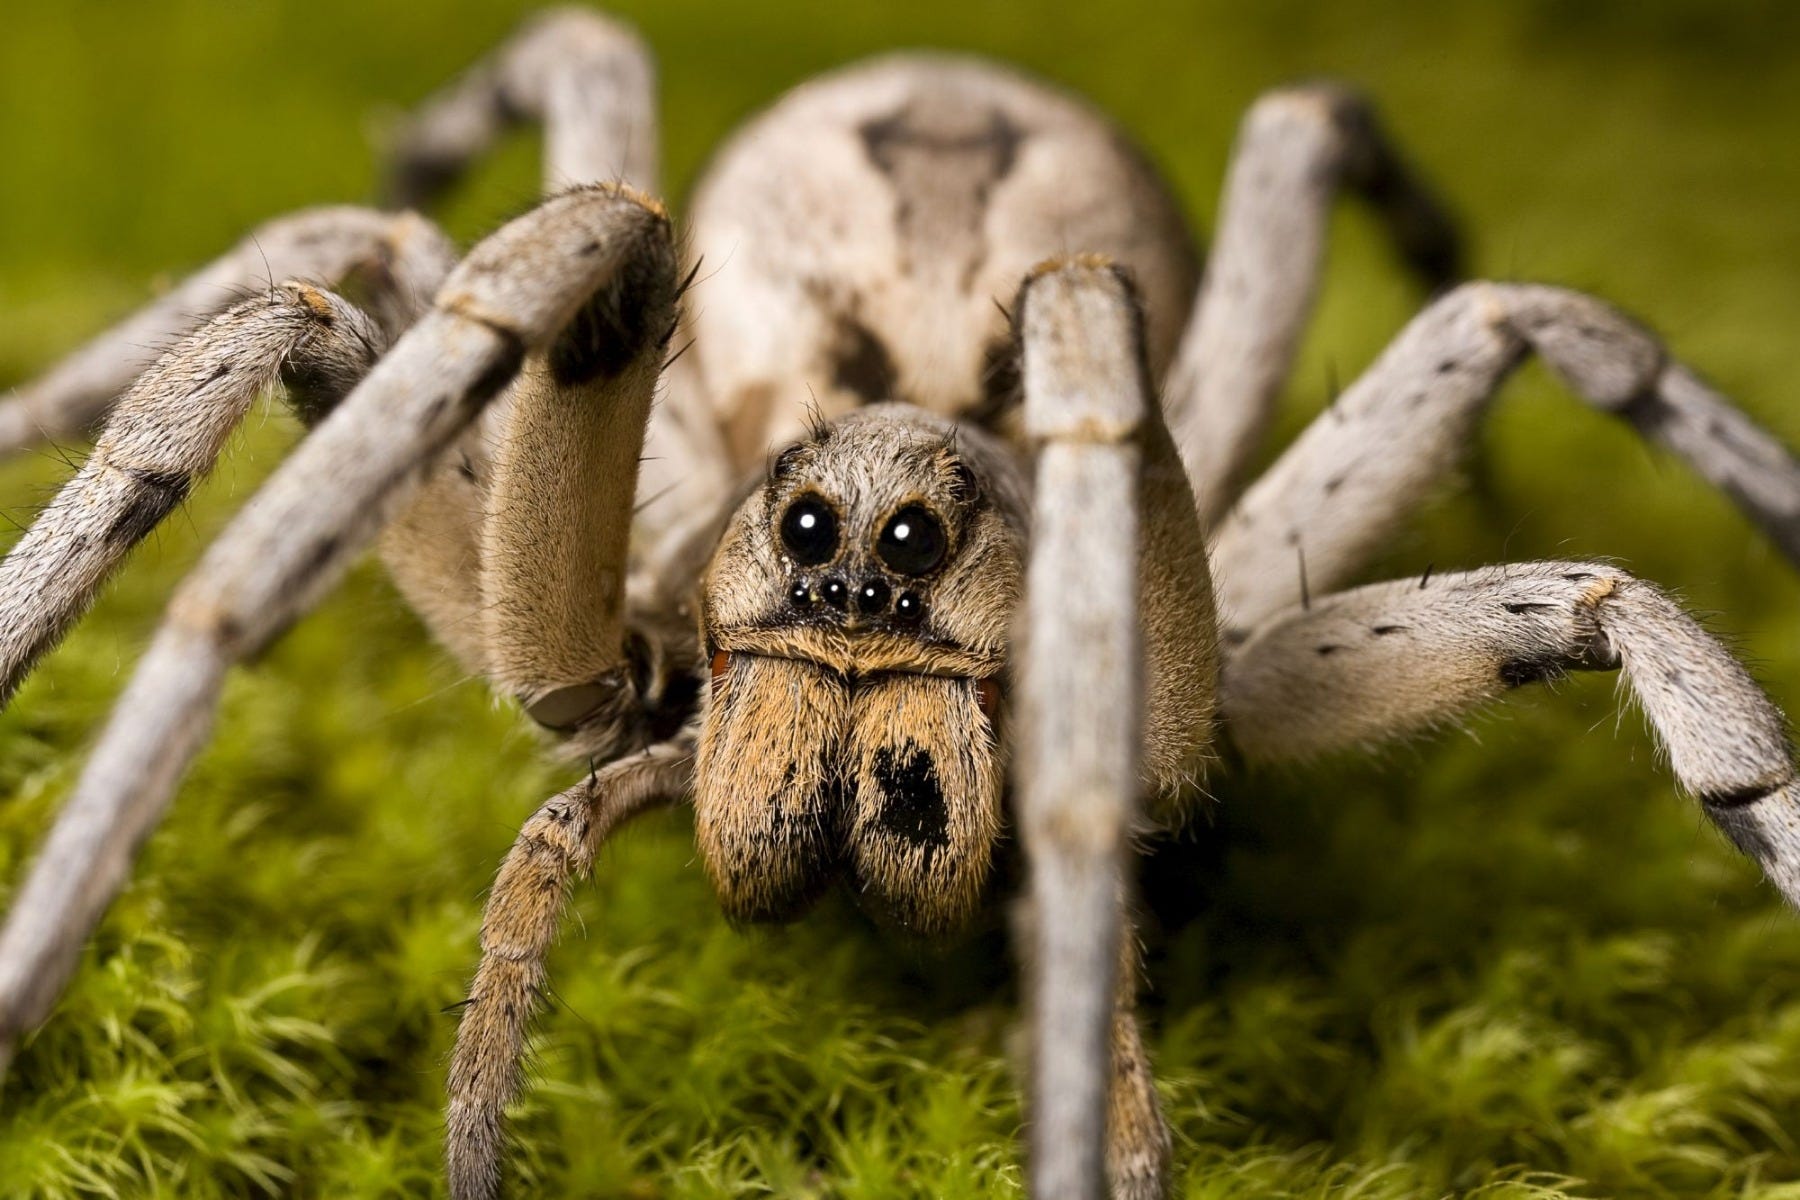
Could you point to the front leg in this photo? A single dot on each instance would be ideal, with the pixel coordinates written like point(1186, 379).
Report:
point(1117, 583)
point(554, 543)
point(515, 550)
point(1078, 763)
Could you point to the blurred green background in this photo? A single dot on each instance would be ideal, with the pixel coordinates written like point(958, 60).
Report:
point(1507, 963)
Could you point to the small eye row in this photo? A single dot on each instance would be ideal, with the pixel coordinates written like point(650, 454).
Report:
point(912, 542)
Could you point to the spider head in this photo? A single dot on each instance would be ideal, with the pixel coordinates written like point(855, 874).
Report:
point(857, 612)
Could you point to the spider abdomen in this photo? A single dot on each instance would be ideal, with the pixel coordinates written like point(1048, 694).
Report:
point(858, 239)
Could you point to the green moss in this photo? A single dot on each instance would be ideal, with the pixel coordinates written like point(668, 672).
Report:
point(1511, 964)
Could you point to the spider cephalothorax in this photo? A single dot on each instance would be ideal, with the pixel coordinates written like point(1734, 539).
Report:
point(923, 553)
point(858, 611)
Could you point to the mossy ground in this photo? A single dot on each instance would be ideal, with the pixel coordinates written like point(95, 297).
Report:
point(1513, 963)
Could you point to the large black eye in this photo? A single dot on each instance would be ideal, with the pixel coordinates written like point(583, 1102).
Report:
point(912, 542)
point(810, 530)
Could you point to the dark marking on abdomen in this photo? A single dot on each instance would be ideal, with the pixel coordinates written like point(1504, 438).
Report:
point(861, 364)
point(943, 154)
point(887, 140)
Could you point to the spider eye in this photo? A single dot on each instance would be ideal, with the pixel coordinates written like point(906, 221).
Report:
point(912, 542)
point(809, 530)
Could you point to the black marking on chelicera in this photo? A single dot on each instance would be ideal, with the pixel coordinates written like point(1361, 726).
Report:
point(801, 838)
point(1385, 630)
point(159, 493)
point(912, 807)
point(861, 364)
point(1741, 797)
point(1525, 606)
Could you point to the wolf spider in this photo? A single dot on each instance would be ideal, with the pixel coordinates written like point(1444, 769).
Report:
point(910, 566)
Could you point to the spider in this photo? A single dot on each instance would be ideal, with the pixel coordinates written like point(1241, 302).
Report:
point(939, 530)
